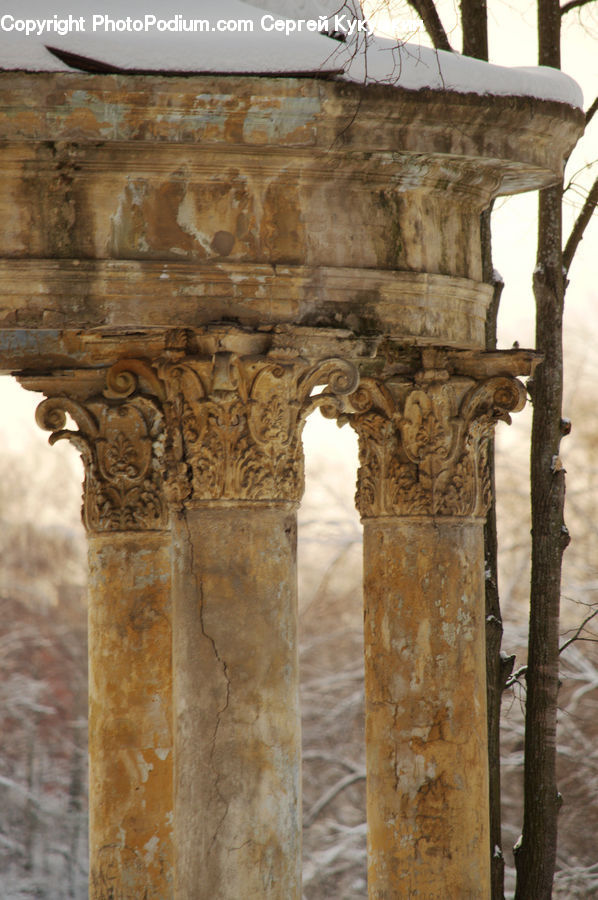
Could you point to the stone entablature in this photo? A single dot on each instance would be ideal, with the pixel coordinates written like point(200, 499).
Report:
point(139, 203)
point(102, 296)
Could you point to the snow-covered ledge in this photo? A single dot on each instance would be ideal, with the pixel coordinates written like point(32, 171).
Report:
point(183, 261)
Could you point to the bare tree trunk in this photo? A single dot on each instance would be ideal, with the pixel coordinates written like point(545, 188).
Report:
point(498, 667)
point(474, 22)
point(426, 10)
point(535, 857)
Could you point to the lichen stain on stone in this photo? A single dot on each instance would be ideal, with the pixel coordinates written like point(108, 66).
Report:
point(128, 223)
point(289, 120)
point(421, 653)
point(389, 234)
point(89, 113)
point(18, 202)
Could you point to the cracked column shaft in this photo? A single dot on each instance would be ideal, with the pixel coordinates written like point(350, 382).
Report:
point(238, 422)
point(238, 800)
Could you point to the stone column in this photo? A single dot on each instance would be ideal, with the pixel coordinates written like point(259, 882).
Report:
point(236, 423)
point(194, 466)
point(423, 490)
point(120, 437)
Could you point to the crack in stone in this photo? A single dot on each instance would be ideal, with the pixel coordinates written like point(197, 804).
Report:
point(223, 664)
point(240, 847)
point(396, 748)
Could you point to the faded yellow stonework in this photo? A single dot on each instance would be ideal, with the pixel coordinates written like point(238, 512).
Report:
point(427, 796)
point(423, 490)
point(131, 747)
point(189, 267)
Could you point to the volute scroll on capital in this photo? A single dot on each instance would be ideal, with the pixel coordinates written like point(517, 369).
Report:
point(121, 440)
point(237, 421)
point(189, 428)
point(424, 442)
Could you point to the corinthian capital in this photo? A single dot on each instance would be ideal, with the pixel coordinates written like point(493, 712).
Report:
point(236, 421)
point(423, 442)
point(120, 435)
point(220, 427)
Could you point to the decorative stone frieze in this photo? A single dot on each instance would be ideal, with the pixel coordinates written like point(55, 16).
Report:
point(236, 422)
point(423, 443)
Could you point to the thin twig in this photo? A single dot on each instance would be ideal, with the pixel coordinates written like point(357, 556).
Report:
point(576, 636)
point(353, 767)
point(580, 226)
point(514, 678)
point(571, 182)
point(325, 799)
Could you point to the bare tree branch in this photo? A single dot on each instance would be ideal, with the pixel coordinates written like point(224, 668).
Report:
point(591, 110)
point(580, 226)
point(514, 678)
point(333, 758)
point(576, 637)
point(329, 795)
point(571, 183)
point(574, 4)
point(426, 10)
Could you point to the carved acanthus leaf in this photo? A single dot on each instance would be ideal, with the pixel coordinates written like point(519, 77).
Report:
point(424, 444)
point(240, 421)
point(121, 440)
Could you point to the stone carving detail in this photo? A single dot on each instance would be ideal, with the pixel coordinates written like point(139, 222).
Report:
point(423, 446)
point(236, 422)
point(120, 437)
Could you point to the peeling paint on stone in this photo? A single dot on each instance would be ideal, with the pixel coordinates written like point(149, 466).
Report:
point(130, 709)
point(426, 746)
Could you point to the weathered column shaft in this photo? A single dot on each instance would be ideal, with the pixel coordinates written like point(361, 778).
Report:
point(427, 793)
point(130, 716)
point(423, 487)
point(120, 437)
point(238, 796)
point(237, 466)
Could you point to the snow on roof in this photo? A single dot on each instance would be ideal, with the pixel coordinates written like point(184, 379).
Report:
point(213, 39)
